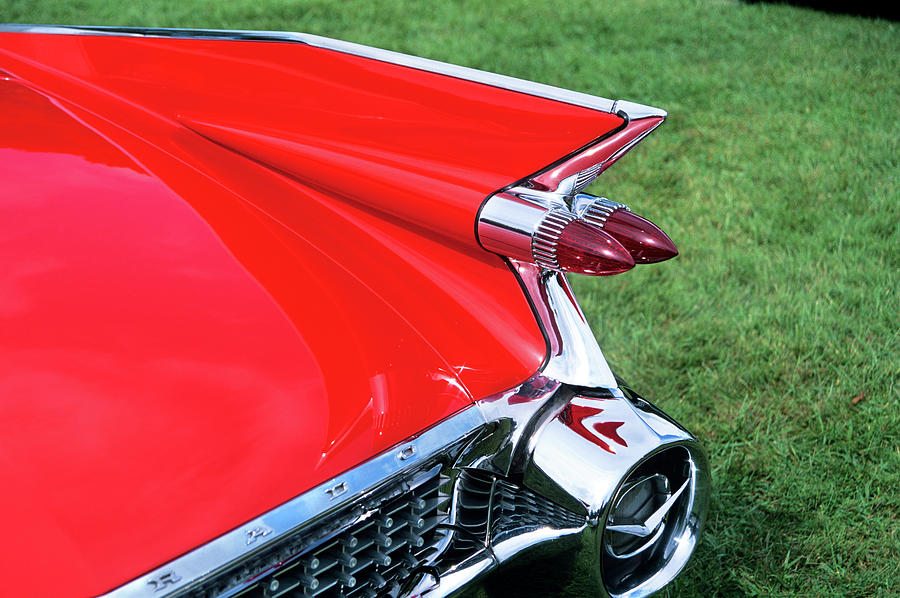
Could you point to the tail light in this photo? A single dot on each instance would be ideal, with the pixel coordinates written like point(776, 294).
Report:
point(645, 241)
point(546, 220)
point(563, 242)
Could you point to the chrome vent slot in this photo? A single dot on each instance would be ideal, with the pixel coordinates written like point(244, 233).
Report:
point(515, 509)
point(490, 508)
point(473, 505)
point(585, 177)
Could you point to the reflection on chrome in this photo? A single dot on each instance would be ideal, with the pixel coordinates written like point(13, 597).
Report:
point(574, 356)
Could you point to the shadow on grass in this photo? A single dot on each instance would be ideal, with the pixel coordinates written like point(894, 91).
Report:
point(746, 543)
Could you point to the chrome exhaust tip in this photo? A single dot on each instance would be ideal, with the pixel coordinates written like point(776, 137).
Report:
point(653, 522)
point(641, 480)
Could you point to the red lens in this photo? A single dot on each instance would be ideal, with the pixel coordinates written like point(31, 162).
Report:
point(585, 249)
point(644, 240)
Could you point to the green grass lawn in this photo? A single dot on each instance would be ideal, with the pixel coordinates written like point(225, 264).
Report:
point(775, 335)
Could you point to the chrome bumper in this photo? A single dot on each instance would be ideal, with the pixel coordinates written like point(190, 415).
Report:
point(639, 481)
point(546, 468)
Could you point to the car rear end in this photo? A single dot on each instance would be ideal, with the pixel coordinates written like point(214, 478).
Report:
point(455, 198)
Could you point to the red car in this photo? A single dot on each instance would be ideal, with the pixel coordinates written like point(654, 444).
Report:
point(287, 316)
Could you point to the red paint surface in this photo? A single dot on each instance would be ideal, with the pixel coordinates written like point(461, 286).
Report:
point(192, 334)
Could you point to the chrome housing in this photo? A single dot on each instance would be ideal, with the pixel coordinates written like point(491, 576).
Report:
point(525, 225)
point(654, 521)
point(524, 221)
point(641, 480)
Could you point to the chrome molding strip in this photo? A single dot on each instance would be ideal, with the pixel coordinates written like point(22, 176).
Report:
point(574, 356)
point(191, 568)
point(424, 64)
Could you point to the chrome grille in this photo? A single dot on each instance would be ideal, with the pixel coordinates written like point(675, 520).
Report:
point(381, 545)
point(515, 508)
point(375, 556)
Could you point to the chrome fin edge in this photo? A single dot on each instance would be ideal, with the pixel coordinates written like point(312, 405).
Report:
point(633, 110)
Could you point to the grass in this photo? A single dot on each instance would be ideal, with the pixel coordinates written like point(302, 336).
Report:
point(776, 333)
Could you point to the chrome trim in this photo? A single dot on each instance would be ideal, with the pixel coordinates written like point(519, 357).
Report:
point(594, 479)
point(525, 224)
point(680, 536)
point(508, 222)
point(558, 198)
point(532, 443)
point(643, 547)
point(457, 578)
point(310, 506)
point(573, 356)
point(568, 467)
point(644, 529)
point(511, 548)
point(518, 411)
point(424, 64)
point(636, 111)
point(596, 210)
point(612, 437)
point(573, 173)
point(546, 235)
point(518, 210)
point(514, 408)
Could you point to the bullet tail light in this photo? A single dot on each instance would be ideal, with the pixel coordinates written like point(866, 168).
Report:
point(564, 242)
point(645, 241)
point(546, 220)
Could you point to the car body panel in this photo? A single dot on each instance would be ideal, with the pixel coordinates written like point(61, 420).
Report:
point(195, 330)
point(427, 147)
point(149, 373)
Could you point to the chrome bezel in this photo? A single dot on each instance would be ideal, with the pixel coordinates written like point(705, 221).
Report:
point(597, 210)
point(546, 236)
point(689, 519)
